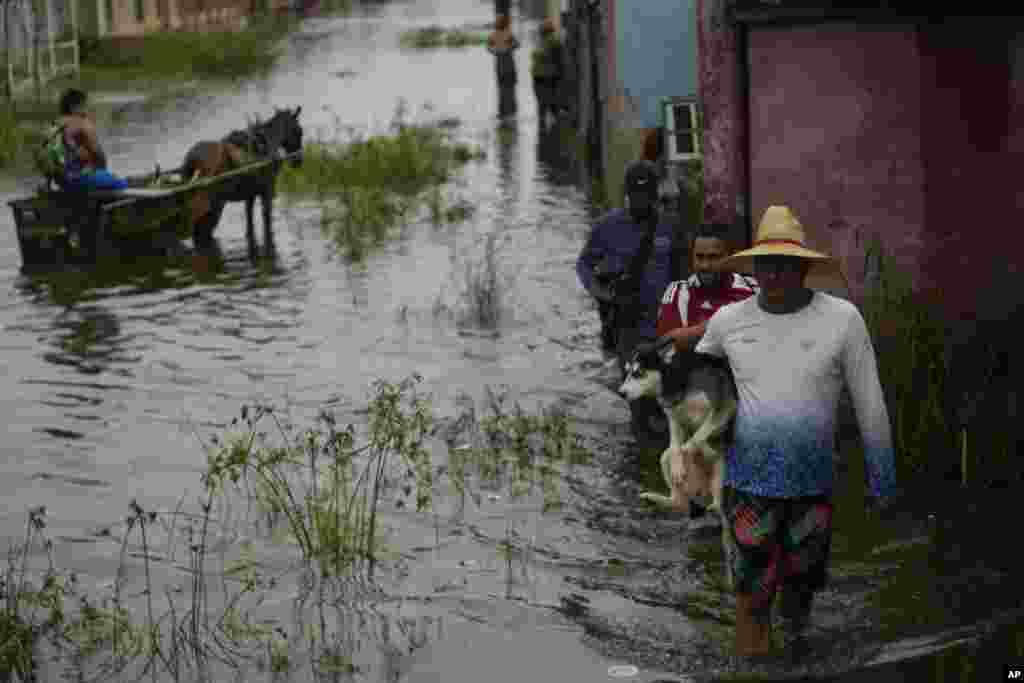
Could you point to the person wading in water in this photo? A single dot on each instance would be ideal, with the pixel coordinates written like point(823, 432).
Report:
point(502, 43)
point(791, 350)
point(626, 265)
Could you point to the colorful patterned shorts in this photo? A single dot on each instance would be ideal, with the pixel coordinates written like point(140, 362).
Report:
point(771, 542)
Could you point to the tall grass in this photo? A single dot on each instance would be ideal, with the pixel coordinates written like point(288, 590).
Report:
point(909, 339)
point(484, 287)
point(368, 185)
point(507, 449)
point(183, 55)
point(313, 490)
point(18, 141)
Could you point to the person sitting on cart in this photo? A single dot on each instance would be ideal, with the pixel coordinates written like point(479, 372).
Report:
point(75, 147)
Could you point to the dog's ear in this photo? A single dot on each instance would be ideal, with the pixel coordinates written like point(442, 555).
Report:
point(298, 110)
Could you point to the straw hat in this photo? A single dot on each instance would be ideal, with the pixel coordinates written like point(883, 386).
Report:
point(780, 234)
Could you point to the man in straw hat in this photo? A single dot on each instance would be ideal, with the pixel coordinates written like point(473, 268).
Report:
point(791, 349)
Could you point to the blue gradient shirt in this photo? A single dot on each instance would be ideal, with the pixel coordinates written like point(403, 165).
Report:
point(789, 371)
point(617, 237)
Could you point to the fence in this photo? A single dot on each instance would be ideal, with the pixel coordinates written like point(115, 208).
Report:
point(39, 39)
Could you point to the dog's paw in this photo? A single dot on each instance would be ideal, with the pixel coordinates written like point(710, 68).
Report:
point(656, 498)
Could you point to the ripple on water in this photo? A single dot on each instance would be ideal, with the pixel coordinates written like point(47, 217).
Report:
point(59, 433)
point(69, 479)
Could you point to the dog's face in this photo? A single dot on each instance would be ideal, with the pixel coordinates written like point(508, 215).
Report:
point(643, 378)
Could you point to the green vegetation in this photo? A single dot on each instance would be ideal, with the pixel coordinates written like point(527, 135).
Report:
point(212, 55)
point(909, 340)
point(484, 287)
point(369, 185)
point(315, 490)
point(437, 36)
point(19, 138)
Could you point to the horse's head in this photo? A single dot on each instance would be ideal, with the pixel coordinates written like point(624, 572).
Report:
point(289, 132)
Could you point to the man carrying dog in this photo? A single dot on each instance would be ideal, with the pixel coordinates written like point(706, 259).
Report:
point(688, 304)
point(791, 349)
point(626, 265)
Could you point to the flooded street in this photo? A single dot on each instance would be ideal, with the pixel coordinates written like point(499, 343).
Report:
point(107, 379)
point(107, 387)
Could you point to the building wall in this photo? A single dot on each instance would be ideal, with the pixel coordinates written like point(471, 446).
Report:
point(655, 52)
point(721, 100)
point(835, 133)
point(173, 15)
point(973, 138)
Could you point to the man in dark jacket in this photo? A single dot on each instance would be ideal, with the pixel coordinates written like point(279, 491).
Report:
point(631, 251)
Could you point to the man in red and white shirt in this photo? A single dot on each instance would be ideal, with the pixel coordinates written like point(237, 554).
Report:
point(687, 304)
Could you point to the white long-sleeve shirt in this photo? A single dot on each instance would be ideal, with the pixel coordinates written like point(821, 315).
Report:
point(789, 371)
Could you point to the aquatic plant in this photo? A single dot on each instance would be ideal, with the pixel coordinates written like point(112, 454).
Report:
point(20, 622)
point(438, 36)
point(508, 445)
point(511, 450)
point(367, 185)
point(483, 287)
point(314, 490)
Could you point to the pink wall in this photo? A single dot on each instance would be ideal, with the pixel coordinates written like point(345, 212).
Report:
point(973, 147)
point(835, 116)
point(721, 102)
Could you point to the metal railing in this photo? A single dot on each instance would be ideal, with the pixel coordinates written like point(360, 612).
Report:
point(39, 60)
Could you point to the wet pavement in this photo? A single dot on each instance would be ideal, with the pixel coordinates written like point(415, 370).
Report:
point(106, 383)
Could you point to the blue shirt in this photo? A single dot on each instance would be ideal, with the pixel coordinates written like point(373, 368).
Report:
point(617, 237)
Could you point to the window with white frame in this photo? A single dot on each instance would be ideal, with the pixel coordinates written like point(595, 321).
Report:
point(682, 131)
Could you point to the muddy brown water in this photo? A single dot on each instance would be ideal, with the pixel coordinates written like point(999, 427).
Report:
point(106, 383)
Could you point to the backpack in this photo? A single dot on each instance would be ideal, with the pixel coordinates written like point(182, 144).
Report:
point(51, 155)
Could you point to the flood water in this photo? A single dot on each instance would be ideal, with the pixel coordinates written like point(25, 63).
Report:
point(105, 385)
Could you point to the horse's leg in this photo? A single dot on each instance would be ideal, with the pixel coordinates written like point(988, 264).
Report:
point(209, 224)
point(267, 202)
point(250, 230)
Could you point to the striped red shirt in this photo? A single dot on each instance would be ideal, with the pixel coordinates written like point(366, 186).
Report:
point(686, 302)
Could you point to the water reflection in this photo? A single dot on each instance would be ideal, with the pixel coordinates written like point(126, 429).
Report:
point(555, 162)
point(507, 104)
point(87, 338)
point(509, 182)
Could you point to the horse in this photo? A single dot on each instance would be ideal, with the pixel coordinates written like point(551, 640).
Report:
point(257, 142)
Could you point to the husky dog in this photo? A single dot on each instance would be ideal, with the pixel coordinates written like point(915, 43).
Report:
point(698, 394)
